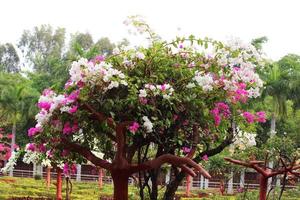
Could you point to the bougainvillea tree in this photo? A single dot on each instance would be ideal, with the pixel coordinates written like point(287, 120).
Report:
point(166, 97)
point(5, 146)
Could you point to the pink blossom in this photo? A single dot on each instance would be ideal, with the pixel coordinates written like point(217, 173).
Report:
point(33, 131)
point(1, 136)
point(73, 109)
point(221, 110)
point(75, 127)
point(7, 155)
point(175, 117)
point(143, 100)
point(163, 87)
point(49, 153)
point(249, 117)
point(73, 168)
point(134, 127)
point(1, 147)
point(236, 69)
point(80, 84)
point(66, 169)
point(205, 157)
point(261, 116)
point(47, 92)
point(241, 95)
point(74, 95)
point(186, 149)
point(42, 148)
point(30, 147)
point(44, 105)
point(10, 136)
point(67, 128)
point(68, 84)
point(217, 119)
point(98, 59)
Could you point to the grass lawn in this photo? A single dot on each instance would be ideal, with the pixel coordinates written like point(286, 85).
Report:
point(24, 187)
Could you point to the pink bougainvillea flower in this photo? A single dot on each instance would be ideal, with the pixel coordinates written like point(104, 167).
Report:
point(75, 127)
point(73, 96)
point(73, 109)
point(33, 131)
point(73, 169)
point(49, 153)
point(1, 147)
point(175, 117)
point(44, 105)
point(7, 155)
point(220, 111)
point(249, 117)
point(10, 136)
point(205, 157)
point(30, 147)
point(80, 84)
point(134, 127)
point(163, 87)
point(186, 149)
point(66, 169)
point(68, 84)
point(98, 59)
point(143, 101)
point(67, 129)
point(47, 92)
point(42, 148)
point(261, 116)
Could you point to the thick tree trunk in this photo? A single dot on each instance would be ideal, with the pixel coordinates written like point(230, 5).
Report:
point(120, 185)
point(59, 184)
point(13, 143)
point(263, 183)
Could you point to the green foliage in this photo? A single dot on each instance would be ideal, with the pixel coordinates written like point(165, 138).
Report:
point(9, 59)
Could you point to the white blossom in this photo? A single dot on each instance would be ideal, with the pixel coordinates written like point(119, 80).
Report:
point(143, 93)
point(147, 124)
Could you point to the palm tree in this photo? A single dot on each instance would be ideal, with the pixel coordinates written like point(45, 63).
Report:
point(16, 101)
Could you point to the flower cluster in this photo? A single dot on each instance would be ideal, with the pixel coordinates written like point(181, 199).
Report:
point(220, 111)
point(206, 81)
point(100, 74)
point(257, 117)
point(147, 124)
point(11, 162)
point(164, 90)
point(244, 140)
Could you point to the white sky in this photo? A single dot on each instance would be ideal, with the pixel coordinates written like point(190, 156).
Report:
point(279, 20)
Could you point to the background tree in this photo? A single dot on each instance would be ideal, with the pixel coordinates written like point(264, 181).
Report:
point(16, 101)
point(9, 59)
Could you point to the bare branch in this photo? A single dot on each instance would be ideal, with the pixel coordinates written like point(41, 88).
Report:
point(173, 160)
point(85, 152)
